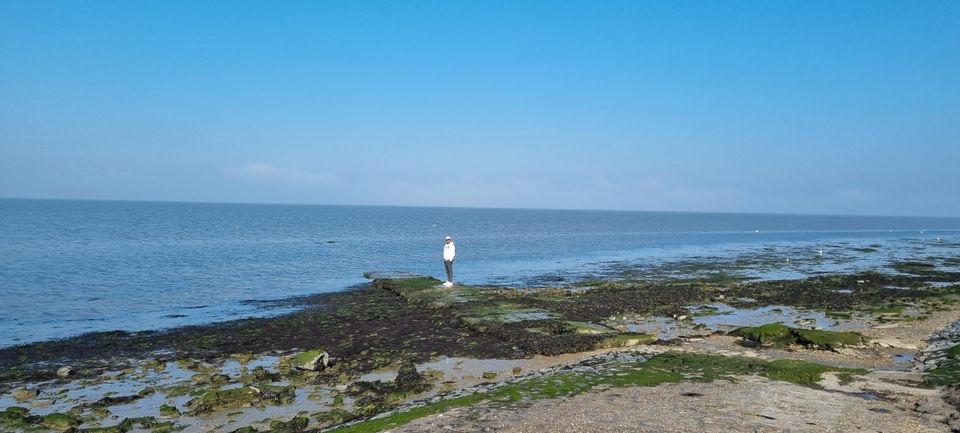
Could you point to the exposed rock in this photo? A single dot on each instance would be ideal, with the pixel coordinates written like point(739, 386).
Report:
point(24, 394)
point(780, 335)
point(60, 421)
point(312, 360)
point(894, 343)
point(242, 397)
point(410, 380)
point(167, 411)
point(295, 425)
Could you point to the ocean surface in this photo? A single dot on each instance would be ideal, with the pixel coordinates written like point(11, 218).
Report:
point(70, 267)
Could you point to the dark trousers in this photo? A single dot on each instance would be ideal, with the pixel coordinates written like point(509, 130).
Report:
point(448, 264)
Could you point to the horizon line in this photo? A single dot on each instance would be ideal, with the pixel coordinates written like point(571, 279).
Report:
point(478, 207)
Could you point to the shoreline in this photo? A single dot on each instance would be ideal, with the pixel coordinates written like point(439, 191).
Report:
point(455, 338)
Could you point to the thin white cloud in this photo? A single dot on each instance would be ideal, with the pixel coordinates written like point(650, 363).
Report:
point(262, 170)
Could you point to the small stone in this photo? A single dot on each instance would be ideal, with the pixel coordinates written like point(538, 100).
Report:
point(65, 371)
point(489, 375)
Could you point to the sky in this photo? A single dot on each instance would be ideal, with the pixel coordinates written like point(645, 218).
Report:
point(813, 107)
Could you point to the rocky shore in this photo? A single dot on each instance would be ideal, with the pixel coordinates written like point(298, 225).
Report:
point(870, 350)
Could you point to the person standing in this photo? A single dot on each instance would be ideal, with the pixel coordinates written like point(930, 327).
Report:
point(449, 252)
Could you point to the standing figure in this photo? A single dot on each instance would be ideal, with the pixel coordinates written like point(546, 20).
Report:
point(449, 252)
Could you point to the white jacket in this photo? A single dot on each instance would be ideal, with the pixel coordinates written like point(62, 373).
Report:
point(449, 251)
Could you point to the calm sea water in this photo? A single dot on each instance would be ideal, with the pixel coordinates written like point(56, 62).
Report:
point(69, 267)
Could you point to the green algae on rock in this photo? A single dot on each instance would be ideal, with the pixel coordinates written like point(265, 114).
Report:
point(18, 417)
point(626, 339)
point(780, 335)
point(297, 424)
point(376, 397)
point(60, 421)
point(242, 397)
point(167, 411)
point(333, 417)
point(947, 371)
point(312, 360)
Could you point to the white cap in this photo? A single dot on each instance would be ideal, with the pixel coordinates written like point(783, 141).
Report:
point(448, 238)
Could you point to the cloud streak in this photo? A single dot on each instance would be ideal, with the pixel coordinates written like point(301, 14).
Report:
point(294, 175)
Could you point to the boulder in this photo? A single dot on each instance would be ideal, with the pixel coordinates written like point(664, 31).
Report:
point(312, 360)
point(65, 371)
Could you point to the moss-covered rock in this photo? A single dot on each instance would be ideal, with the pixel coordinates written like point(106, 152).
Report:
point(168, 411)
point(409, 380)
point(312, 360)
point(246, 396)
point(17, 417)
point(261, 374)
point(627, 339)
point(60, 421)
point(828, 339)
point(780, 335)
point(295, 425)
point(771, 334)
point(333, 417)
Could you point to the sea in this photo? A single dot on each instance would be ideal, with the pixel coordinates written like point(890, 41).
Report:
point(69, 267)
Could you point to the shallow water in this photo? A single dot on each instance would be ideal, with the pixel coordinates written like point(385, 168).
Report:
point(706, 318)
point(309, 398)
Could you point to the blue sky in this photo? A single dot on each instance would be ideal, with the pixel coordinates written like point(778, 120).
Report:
point(848, 107)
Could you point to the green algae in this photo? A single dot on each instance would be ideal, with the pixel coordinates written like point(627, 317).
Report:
point(315, 359)
point(401, 418)
point(18, 417)
point(947, 371)
point(376, 397)
point(771, 334)
point(482, 316)
point(664, 368)
point(626, 339)
point(589, 328)
point(60, 421)
point(780, 335)
point(296, 424)
point(168, 411)
point(333, 417)
point(242, 397)
point(816, 338)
